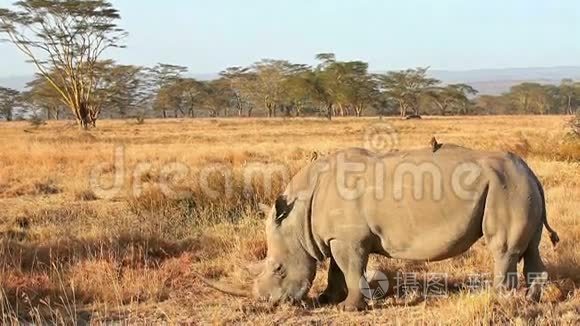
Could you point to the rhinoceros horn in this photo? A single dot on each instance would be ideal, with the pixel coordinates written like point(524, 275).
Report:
point(255, 269)
point(224, 288)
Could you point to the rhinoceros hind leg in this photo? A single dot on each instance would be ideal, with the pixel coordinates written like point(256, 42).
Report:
point(352, 260)
point(534, 269)
point(335, 291)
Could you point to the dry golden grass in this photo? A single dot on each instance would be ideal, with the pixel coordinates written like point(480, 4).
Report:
point(70, 253)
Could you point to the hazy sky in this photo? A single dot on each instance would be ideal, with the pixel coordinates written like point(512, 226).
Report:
point(208, 36)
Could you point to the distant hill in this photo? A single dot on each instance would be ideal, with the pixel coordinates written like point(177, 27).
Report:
point(497, 81)
point(486, 81)
point(19, 82)
point(15, 82)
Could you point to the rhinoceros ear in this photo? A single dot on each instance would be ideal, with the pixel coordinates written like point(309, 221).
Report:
point(283, 208)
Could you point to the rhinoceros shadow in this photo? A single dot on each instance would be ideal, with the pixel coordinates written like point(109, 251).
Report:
point(24, 286)
point(563, 273)
point(33, 256)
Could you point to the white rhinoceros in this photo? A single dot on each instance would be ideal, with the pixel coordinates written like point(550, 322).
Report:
point(419, 205)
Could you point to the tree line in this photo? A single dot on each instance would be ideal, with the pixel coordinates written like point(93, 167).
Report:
point(280, 88)
point(66, 41)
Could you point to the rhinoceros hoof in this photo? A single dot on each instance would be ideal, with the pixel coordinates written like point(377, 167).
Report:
point(534, 293)
point(348, 306)
point(330, 298)
point(324, 299)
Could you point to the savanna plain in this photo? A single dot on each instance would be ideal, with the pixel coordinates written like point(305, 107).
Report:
point(110, 225)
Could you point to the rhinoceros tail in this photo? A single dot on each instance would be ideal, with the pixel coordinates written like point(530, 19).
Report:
point(553, 235)
point(554, 238)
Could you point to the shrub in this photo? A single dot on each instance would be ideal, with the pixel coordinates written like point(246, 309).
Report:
point(85, 195)
point(36, 121)
point(47, 187)
point(140, 119)
point(163, 215)
point(575, 124)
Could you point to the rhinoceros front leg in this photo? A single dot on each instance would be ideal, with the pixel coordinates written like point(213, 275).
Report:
point(505, 268)
point(335, 291)
point(352, 259)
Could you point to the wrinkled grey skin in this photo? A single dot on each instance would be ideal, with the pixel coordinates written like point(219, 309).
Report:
point(316, 218)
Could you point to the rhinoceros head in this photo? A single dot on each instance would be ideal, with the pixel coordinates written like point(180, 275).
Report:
point(288, 271)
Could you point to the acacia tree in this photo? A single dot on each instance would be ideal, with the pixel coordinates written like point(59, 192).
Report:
point(9, 99)
point(453, 96)
point(182, 95)
point(103, 88)
point(545, 99)
point(240, 80)
point(569, 92)
point(322, 83)
point(271, 76)
point(123, 88)
point(521, 96)
point(406, 87)
point(161, 79)
point(190, 95)
point(42, 95)
point(534, 98)
point(215, 96)
point(320, 94)
point(67, 37)
point(297, 93)
point(337, 77)
point(357, 89)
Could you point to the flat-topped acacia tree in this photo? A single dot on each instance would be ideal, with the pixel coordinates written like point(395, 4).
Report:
point(9, 99)
point(65, 39)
